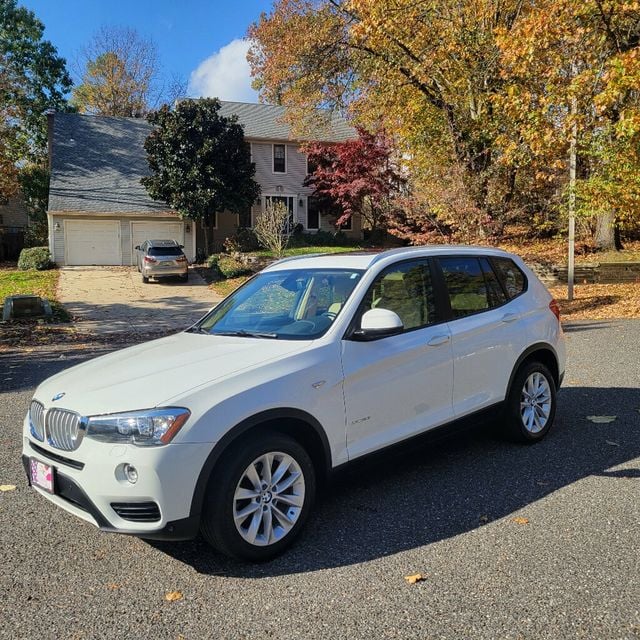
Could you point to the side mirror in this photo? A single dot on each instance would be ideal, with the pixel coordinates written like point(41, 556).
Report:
point(137, 247)
point(378, 323)
point(181, 246)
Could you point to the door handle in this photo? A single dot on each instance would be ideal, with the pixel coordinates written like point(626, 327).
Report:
point(509, 317)
point(438, 340)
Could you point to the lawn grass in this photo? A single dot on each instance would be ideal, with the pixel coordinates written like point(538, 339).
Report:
point(40, 283)
point(303, 251)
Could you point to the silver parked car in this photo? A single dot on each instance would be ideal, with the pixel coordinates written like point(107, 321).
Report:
point(160, 259)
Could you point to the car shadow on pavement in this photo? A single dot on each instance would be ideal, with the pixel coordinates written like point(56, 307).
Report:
point(434, 490)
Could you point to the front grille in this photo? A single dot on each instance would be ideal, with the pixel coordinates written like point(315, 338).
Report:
point(36, 419)
point(63, 429)
point(137, 511)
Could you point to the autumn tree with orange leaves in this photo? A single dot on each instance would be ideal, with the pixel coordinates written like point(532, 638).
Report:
point(475, 95)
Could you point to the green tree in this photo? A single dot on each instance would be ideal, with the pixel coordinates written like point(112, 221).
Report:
point(200, 162)
point(33, 78)
point(34, 185)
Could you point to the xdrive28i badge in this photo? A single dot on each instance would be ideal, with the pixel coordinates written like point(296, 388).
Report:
point(57, 396)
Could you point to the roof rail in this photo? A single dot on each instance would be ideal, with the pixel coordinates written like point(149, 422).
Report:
point(302, 257)
point(400, 250)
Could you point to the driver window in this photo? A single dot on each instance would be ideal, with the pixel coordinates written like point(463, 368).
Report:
point(405, 289)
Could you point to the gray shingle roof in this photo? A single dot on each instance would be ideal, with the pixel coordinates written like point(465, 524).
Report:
point(97, 163)
point(265, 121)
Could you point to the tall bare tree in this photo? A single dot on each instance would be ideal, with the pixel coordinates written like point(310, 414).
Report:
point(120, 74)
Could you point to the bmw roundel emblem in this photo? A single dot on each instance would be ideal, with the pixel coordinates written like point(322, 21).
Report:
point(57, 396)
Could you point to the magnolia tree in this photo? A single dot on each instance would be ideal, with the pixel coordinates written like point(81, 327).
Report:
point(200, 162)
point(356, 177)
point(273, 228)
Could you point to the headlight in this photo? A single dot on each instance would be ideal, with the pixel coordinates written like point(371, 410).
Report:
point(147, 428)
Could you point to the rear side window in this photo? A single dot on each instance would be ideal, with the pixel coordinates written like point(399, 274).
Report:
point(494, 288)
point(165, 251)
point(512, 278)
point(468, 291)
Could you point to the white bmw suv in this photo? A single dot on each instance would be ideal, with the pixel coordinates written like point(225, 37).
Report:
point(228, 427)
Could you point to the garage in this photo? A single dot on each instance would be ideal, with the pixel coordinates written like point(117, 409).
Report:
point(155, 230)
point(89, 242)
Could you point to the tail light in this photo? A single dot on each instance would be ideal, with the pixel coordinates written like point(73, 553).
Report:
point(555, 308)
point(150, 259)
point(181, 259)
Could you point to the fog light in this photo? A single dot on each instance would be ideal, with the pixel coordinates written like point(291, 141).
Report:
point(131, 473)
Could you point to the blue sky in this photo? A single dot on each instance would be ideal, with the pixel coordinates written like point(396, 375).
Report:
point(198, 40)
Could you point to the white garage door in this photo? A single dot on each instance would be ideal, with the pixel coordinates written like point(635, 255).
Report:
point(92, 242)
point(141, 231)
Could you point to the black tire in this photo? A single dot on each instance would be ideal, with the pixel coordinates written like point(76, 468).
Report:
point(218, 525)
point(185, 277)
point(514, 423)
point(145, 279)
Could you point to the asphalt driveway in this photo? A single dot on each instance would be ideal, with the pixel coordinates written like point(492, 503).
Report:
point(514, 542)
point(108, 300)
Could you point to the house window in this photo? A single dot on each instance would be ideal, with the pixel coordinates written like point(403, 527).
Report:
point(348, 225)
point(311, 166)
point(244, 218)
point(313, 214)
point(287, 200)
point(279, 158)
point(211, 219)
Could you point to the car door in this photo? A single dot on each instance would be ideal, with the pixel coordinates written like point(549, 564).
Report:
point(398, 385)
point(486, 332)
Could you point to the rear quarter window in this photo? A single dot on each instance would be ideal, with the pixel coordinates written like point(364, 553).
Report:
point(513, 280)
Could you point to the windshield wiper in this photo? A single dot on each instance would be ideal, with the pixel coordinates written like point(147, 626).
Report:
point(245, 334)
point(196, 329)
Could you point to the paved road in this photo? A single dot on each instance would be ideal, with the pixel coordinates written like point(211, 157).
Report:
point(445, 510)
point(108, 300)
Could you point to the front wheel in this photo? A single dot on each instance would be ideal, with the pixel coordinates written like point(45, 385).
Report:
point(259, 497)
point(531, 404)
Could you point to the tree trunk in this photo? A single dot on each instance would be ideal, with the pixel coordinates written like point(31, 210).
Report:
point(607, 233)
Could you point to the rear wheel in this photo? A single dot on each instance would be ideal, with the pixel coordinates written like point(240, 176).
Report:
point(259, 497)
point(145, 279)
point(531, 404)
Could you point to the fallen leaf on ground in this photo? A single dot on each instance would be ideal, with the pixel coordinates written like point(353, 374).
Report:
point(113, 586)
point(612, 443)
point(520, 520)
point(416, 577)
point(7, 487)
point(601, 419)
point(172, 596)
point(483, 519)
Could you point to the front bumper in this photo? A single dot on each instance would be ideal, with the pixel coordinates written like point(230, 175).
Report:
point(88, 485)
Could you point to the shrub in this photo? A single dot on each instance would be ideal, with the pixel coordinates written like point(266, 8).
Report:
point(323, 239)
point(243, 241)
point(212, 262)
point(35, 258)
point(272, 227)
point(231, 267)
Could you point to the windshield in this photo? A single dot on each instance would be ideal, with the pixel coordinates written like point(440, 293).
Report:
point(292, 304)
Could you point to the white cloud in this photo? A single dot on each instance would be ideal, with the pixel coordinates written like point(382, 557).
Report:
point(224, 75)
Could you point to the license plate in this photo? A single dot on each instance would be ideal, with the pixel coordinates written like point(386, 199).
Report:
point(167, 263)
point(41, 475)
